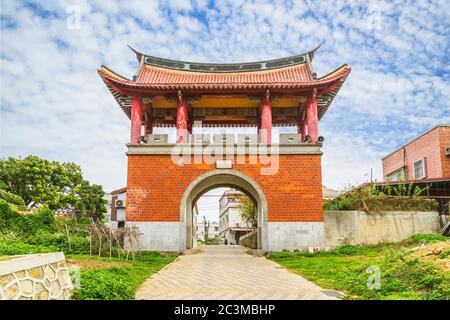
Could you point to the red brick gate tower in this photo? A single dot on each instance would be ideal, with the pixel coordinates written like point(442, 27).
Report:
point(283, 178)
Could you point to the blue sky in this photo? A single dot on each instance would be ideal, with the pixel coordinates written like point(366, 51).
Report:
point(53, 104)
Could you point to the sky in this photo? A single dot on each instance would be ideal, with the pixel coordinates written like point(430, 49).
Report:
point(54, 104)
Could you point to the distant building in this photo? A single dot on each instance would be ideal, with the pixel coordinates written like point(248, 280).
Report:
point(213, 231)
point(107, 215)
point(425, 157)
point(231, 225)
point(329, 194)
point(65, 212)
point(115, 215)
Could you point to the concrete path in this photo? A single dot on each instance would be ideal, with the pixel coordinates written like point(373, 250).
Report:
point(227, 272)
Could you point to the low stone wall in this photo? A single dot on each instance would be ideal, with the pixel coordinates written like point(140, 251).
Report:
point(359, 227)
point(35, 277)
point(249, 240)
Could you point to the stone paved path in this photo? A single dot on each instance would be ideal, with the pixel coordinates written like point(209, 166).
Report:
point(227, 272)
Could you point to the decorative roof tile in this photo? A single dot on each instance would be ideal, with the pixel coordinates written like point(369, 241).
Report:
point(164, 75)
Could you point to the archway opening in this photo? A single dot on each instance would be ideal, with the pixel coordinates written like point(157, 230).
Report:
point(221, 216)
point(221, 179)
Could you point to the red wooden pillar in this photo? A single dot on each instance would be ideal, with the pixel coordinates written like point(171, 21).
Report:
point(190, 123)
point(148, 125)
point(302, 124)
point(182, 119)
point(312, 117)
point(265, 136)
point(148, 128)
point(136, 118)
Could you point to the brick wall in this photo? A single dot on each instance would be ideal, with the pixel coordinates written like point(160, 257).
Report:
point(444, 141)
point(156, 185)
point(430, 146)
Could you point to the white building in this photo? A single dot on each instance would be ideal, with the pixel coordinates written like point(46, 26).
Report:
point(213, 231)
point(107, 215)
point(231, 225)
point(115, 208)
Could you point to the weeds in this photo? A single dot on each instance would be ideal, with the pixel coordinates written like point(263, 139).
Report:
point(403, 276)
point(401, 197)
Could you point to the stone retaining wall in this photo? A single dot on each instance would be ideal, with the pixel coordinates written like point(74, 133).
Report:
point(249, 240)
point(359, 227)
point(35, 277)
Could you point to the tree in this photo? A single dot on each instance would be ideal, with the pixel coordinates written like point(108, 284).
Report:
point(248, 211)
point(206, 226)
point(57, 185)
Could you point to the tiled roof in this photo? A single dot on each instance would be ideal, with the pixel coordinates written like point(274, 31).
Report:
point(156, 76)
point(153, 77)
point(287, 73)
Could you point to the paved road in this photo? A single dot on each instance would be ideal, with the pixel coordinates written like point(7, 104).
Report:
point(227, 272)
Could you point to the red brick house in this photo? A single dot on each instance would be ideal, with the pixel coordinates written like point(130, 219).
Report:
point(425, 157)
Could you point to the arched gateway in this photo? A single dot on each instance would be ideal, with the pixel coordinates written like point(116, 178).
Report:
point(284, 178)
point(215, 179)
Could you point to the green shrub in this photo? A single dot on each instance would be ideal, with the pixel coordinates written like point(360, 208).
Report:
point(14, 248)
point(25, 224)
point(105, 284)
point(351, 250)
point(119, 283)
point(38, 232)
point(11, 198)
point(424, 237)
point(47, 238)
point(79, 245)
point(10, 220)
point(42, 219)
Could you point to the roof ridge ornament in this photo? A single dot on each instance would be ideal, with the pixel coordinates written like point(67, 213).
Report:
point(225, 67)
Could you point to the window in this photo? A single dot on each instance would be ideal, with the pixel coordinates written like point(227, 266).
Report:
point(397, 175)
point(216, 228)
point(419, 169)
point(121, 224)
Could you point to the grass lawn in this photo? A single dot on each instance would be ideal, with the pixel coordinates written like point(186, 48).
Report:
point(114, 279)
point(408, 269)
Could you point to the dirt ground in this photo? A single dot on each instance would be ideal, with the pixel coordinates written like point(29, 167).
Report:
point(87, 264)
point(431, 253)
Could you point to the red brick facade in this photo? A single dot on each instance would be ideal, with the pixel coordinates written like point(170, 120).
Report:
point(430, 146)
point(156, 185)
point(444, 139)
